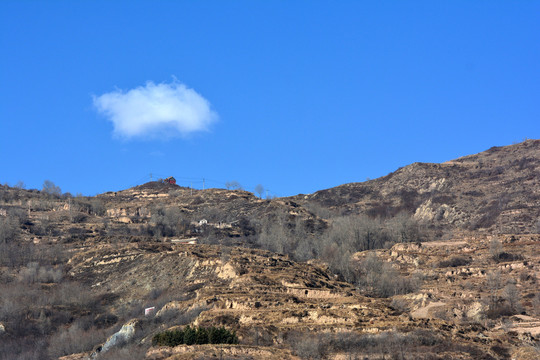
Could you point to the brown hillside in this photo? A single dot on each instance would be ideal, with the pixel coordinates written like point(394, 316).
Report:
point(497, 190)
point(434, 261)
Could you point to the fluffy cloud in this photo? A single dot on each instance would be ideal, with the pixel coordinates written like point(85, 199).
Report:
point(156, 110)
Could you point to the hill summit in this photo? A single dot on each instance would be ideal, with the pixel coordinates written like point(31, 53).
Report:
point(497, 190)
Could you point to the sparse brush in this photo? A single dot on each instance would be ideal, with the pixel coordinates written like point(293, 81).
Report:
point(455, 261)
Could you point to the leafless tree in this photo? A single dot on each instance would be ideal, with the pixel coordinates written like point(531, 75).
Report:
point(495, 248)
point(493, 284)
point(168, 221)
point(512, 295)
point(20, 185)
point(378, 278)
point(233, 185)
point(75, 340)
point(259, 189)
point(273, 235)
point(50, 188)
point(8, 229)
point(536, 304)
point(97, 207)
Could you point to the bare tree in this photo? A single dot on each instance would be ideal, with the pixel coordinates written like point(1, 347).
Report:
point(20, 185)
point(273, 235)
point(378, 278)
point(233, 185)
point(512, 295)
point(536, 304)
point(493, 282)
point(8, 229)
point(168, 221)
point(97, 207)
point(403, 228)
point(495, 248)
point(259, 189)
point(50, 188)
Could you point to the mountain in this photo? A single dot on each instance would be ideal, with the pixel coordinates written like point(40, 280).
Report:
point(433, 261)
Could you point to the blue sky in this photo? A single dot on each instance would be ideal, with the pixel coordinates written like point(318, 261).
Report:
point(295, 95)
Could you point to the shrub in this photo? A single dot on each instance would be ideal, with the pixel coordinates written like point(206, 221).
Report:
point(189, 336)
point(74, 339)
point(504, 256)
point(495, 248)
point(195, 335)
point(78, 218)
point(455, 261)
point(501, 351)
point(399, 305)
point(498, 309)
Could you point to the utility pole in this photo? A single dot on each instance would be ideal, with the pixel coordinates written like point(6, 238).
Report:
point(267, 194)
point(203, 183)
point(150, 176)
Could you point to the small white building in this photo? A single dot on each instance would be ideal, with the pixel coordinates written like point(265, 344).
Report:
point(149, 311)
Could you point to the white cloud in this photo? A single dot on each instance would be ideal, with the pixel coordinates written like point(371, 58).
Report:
point(152, 110)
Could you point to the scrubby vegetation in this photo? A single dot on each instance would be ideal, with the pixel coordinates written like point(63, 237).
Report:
point(337, 243)
point(455, 261)
point(387, 344)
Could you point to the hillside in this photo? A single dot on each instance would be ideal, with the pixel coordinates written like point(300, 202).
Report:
point(433, 261)
point(497, 191)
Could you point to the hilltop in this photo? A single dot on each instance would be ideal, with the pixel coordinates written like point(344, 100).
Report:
point(496, 191)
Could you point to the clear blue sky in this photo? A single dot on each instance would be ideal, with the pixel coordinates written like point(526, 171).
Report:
point(295, 95)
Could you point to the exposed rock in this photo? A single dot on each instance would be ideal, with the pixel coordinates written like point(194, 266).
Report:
point(476, 311)
point(123, 336)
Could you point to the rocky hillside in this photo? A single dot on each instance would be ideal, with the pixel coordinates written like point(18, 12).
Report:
point(497, 190)
point(283, 309)
point(434, 261)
